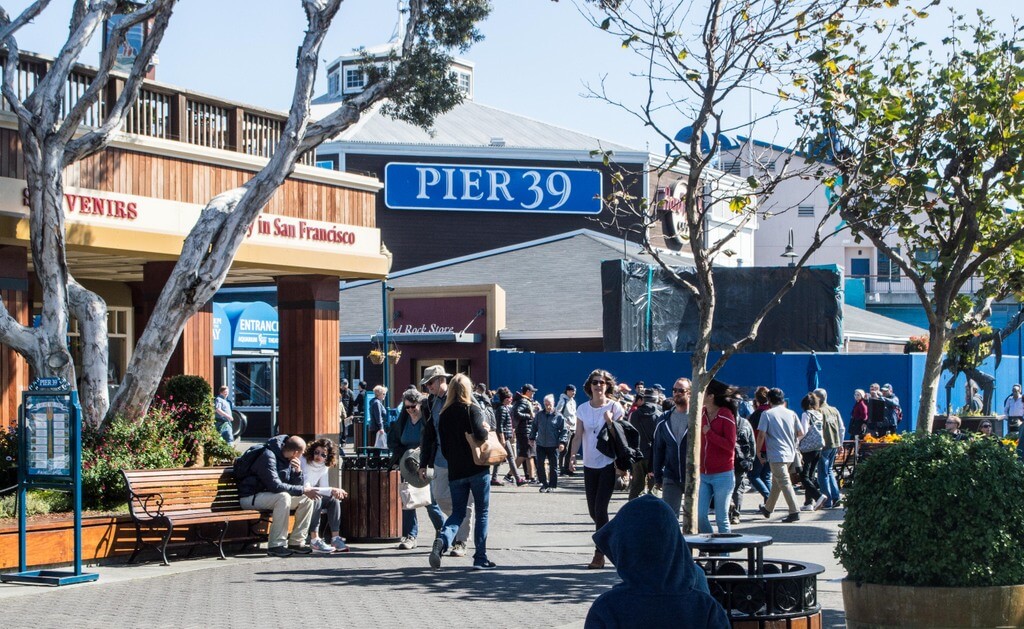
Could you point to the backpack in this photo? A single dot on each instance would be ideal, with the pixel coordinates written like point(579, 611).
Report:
point(243, 464)
point(488, 411)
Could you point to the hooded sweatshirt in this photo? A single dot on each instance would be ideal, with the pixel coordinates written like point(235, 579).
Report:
point(661, 585)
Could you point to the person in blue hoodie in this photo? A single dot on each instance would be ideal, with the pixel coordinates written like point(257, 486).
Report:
point(668, 457)
point(661, 585)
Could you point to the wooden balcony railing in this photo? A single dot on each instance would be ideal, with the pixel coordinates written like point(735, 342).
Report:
point(168, 113)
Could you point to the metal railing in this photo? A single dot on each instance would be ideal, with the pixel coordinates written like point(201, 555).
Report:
point(167, 113)
point(899, 284)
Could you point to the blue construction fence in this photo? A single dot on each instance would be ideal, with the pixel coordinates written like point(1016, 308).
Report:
point(839, 374)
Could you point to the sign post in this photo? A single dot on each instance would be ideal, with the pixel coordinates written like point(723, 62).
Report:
point(49, 457)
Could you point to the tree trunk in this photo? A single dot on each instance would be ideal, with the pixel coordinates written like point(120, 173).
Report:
point(693, 444)
point(932, 373)
point(91, 312)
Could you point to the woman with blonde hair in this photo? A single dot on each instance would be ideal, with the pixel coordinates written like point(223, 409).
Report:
point(461, 417)
point(378, 416)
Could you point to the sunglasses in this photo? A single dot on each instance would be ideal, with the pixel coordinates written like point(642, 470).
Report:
point(597, 382)
point(680, 390)
point(320, 453)
point(989, 426)
point(411, 407)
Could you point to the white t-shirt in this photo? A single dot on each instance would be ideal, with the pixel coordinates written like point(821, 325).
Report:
point(592, 420)
point(781, 427)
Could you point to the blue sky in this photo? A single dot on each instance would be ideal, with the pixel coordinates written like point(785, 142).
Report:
point(534, 61)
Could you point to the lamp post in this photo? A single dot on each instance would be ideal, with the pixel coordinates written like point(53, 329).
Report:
point(790, 252)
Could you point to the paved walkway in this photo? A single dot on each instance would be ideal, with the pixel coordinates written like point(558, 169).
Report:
point(540, 542)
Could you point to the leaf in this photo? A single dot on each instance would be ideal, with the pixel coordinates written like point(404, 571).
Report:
point(753, 182)
point(737, 204)
point(629, 40)
point(682, 55)
point(783, 95)
point(1019, 97)
point(896, 181)
point(606, 23)
point(693, 75)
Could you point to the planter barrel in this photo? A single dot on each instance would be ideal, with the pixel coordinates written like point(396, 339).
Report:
point(871, 606)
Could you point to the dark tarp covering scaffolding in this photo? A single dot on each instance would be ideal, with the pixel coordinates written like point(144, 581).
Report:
point(646, 310)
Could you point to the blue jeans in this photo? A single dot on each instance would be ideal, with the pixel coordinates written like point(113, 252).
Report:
point(761, 478)
point(480, 485)
point(720, 486)
point(827, 476)
point(226, 431)
point(411, 525)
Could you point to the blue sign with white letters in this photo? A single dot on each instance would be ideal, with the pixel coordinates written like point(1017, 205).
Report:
point(482, 188)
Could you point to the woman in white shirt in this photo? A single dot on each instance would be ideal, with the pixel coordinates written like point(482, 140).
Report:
point(319, 456)
point(598, 468)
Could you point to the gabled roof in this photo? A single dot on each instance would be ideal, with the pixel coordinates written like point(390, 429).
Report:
point(554, 279)
point(863, 325)
point(469, 124)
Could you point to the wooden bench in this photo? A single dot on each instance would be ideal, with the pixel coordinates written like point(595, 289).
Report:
point(161, 500)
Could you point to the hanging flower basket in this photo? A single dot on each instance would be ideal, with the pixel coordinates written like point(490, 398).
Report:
point(394, 356)
point(376, 357)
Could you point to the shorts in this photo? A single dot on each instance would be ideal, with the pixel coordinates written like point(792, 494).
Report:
point(524, 449)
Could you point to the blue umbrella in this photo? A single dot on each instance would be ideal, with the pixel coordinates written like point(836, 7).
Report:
point(813, 367)
point(726, 142)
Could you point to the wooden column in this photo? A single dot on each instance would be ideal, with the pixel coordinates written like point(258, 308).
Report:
point(15, 294)
point(194, 353)
point(308, 395)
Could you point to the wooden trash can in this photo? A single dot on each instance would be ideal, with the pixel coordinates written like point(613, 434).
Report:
point(373, 510)
point(811, 620)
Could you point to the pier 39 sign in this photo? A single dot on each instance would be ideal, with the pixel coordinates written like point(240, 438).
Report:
point(481, 188)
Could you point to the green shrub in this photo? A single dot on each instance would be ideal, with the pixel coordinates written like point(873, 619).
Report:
point(930, 511)
point(192, 392)
point(190, 400)
point(40, 502)
point(152, 442)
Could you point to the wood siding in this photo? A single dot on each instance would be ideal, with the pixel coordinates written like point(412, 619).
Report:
point(128, 172)
point(309, 337)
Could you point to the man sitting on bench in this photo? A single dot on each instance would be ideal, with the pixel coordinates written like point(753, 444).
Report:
point(274, 483)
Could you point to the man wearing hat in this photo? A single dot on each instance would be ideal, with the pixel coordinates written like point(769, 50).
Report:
point(435, 379)
point(567, 407)
point(892, 413)
point(523, 411)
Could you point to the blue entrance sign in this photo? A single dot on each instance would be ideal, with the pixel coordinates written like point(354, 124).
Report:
point(481, 188)
point(249, 325)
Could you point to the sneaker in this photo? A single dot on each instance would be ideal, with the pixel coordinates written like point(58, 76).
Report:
point(551, 489)
point(320, 546)
point(809, 507)
point(838, 505)
point(509, 478)
point(820, 501)
point(458, 549)
point(279, 551)
point(734, 519)
point(338, 543)
point(533, 481)
point(521, 481)
point(484, 565)
point(407, 543)
point(496, 483)
point(435, 553)
point(792, 517)
point(764, 512)
point(301, 549)
point(543, 489)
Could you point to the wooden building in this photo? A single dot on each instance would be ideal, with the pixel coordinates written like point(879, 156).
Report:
point(130, 206)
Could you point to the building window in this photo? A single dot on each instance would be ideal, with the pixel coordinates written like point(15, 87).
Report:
point(354, 80)
point(805, 211)
point(351, 369)
point(929, 256)
point(734, 168)
point(251, 382)
point(119, 343)
point(332, 84)
point(888, 271)
point(465, 82)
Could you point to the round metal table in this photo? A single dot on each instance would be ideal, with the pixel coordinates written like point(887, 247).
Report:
point(722, 544)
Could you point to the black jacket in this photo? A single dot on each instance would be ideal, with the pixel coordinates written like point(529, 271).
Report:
point(457, 421)
point(745, 445)
point(504, 418)
point(348, 401)
point(271, 472)
point(619, 440)
point(522, 415)
point(644, 418)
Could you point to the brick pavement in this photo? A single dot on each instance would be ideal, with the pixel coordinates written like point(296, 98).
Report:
point(539, 541)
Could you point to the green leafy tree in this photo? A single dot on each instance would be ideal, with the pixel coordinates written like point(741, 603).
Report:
point(928, 142)
point(695, 59)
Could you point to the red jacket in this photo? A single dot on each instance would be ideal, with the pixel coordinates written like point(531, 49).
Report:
point(718, 445)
